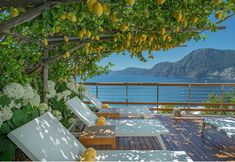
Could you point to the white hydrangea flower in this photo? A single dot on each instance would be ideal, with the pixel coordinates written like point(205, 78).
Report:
point(43, 107)
point(29, 93)
point(71, 86)
point(57, 114)
point(51, 94)
point(35, 101)
point(51, 89)
point(12, 104)
point(59, 96)
point(72, 120)
point(51, 85)
point(14, 90)
point(18, 106)
point(6, 114)
point(66, 93)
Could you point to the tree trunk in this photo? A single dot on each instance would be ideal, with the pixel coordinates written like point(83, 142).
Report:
point(45, 77)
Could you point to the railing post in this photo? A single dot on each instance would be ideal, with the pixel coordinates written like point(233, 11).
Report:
point(126, 93)
point(157, 95)
point(189, 96)
point(222, 96)
point(97, 90)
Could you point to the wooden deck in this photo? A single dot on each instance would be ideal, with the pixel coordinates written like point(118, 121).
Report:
point(184, 135)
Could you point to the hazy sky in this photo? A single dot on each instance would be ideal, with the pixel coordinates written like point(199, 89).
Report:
point(223, 39)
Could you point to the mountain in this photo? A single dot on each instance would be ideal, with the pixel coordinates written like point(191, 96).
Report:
point(199, 64)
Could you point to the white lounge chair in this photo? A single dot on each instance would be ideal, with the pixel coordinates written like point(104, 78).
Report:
point(125, 111)
point(123, 127)
point(225, 125)
point(46, 139)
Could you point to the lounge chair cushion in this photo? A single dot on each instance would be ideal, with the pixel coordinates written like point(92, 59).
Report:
point(225, 125)
point(46, 139)
point(124, 111)
point(123, 127)
point(96, 102)
point(135, 155)
point(87, 116)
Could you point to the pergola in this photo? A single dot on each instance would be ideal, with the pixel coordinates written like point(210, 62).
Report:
point(130, 25)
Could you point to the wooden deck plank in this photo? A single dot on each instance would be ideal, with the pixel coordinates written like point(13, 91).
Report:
point(184, 136)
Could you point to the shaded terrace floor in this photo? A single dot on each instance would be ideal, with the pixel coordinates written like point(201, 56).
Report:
point(184, 135)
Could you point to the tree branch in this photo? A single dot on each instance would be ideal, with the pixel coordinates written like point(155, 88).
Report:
point(54, 58)
point(27, 3)
point(27, 39)
point(25, 17)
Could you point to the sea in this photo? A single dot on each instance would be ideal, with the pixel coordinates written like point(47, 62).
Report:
point(153, 93)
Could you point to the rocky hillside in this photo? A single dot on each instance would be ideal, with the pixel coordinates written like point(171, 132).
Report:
point(202, 63)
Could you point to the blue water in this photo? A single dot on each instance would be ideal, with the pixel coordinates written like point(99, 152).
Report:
point(149, 93)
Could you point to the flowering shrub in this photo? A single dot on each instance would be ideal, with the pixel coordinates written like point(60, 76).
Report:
point(19, 104)
point(65, 90)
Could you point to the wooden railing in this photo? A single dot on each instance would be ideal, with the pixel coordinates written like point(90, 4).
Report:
point(189, 90)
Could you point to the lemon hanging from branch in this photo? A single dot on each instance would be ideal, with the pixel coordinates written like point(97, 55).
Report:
point(219, 15)
point(98, 9)
point(90, 4)
point(160, 1)
point(66, 38)
point(106, 9)
point(45, 42)
point(123, 27)
point(130, 2)
point(194, 19)
point(14, 12)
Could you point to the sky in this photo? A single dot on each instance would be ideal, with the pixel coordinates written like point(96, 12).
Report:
point(222, 39)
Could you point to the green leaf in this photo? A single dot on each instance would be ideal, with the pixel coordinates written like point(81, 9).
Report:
point(5, 128)
point(19, 118)
point(4, 100)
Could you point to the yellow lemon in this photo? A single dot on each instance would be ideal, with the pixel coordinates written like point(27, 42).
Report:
point(81, 34)
point(179, 16)
point(66, 38)
point(97, 38)
point(114, 18)
point(185, 24)
point(194, 19)
point(168, 38)
point(127, 44)
point(218, 1)
point(177, 29)
point(63, 17)
point(164, 37)
point(45, 42)
point(219, 15)
point(89, 155)
point(160, 1)
point(14, 12)
point(144, 37)
point(88, 33)
point(130, 2)
point(57, 29)
point(90, 4)
point(129, 36)
point(106, 9)
point(98, 9)
point(73, 18)
point(162, 31)
point(123, 27)
point(66, 55)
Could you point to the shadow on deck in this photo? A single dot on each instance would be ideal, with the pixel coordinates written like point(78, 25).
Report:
point(184, 136)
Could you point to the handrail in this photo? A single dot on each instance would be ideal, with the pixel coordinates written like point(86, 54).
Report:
point(155, 84)
point(190, 102)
